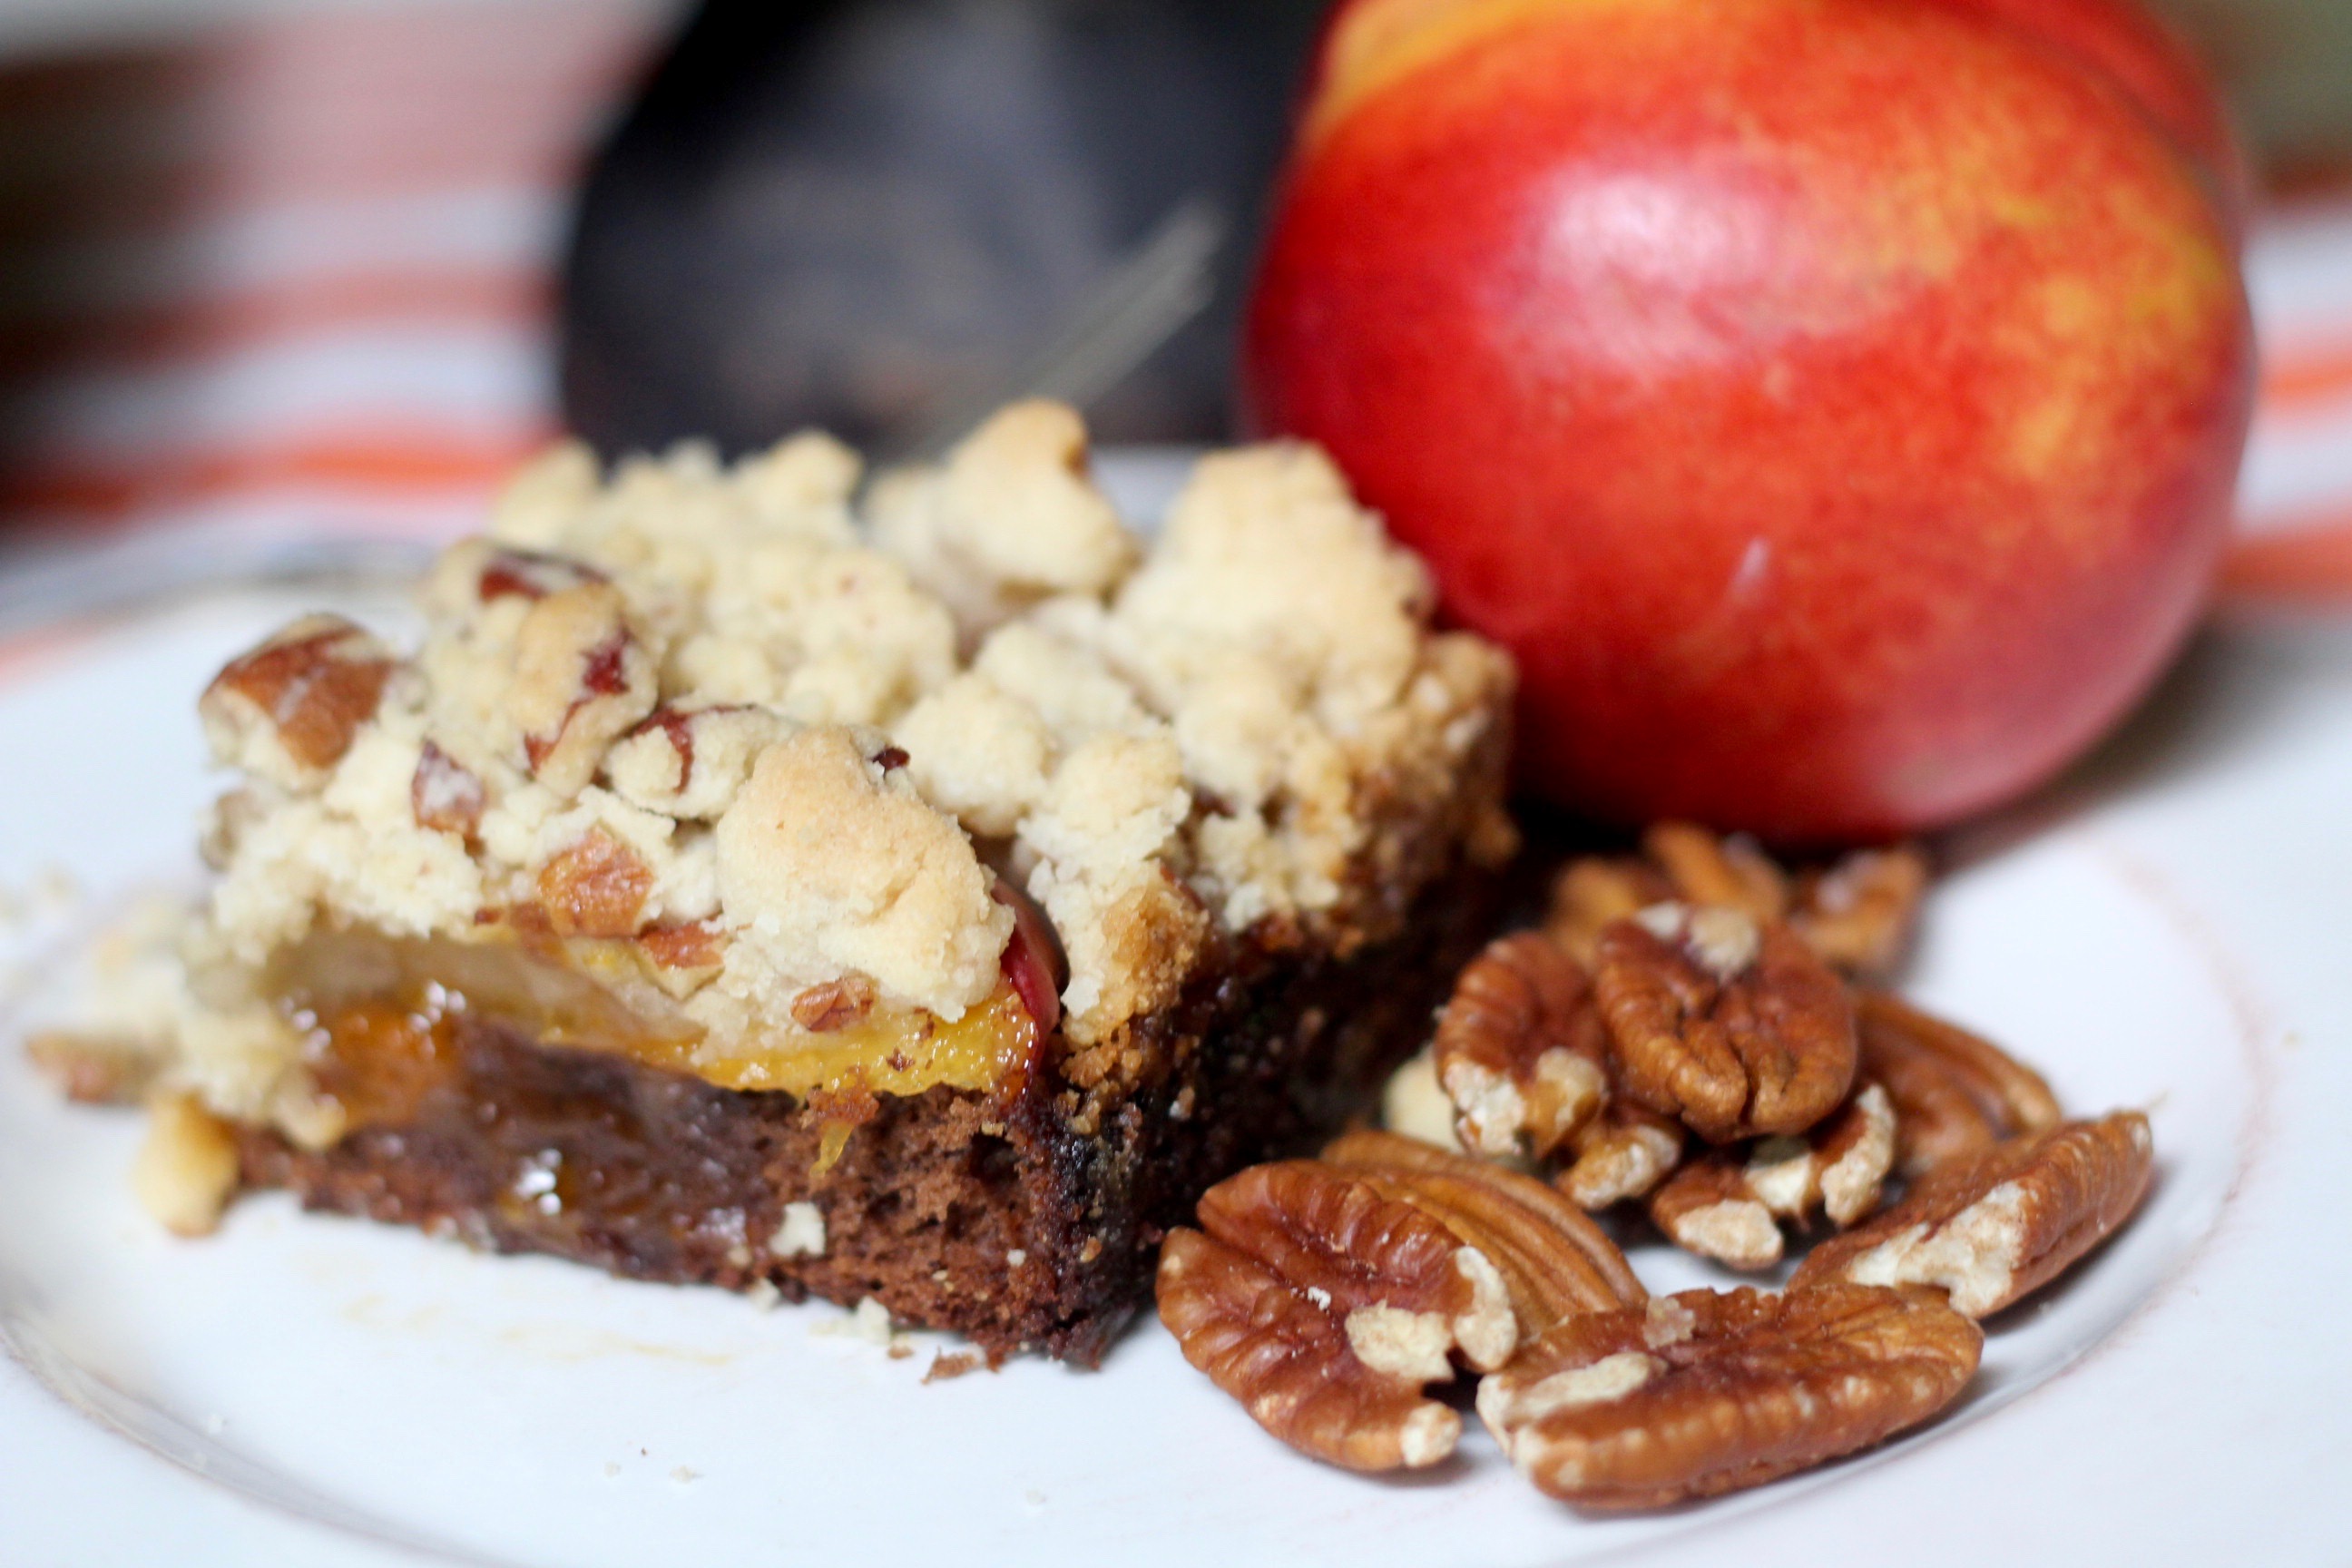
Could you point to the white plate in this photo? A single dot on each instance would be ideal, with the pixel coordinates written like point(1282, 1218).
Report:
point(2167, 930)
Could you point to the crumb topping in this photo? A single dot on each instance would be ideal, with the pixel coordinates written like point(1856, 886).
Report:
point(691, 696)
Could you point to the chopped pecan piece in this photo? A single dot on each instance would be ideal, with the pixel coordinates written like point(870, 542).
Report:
point(290, 708)
point(1997, 1227)
point(1955, 1094)
point(700, 944)
point(833, 1005)
point(1737, 1028)
point(530, 574)
point(691, 762)
point(1554, 1260)
point(1859, 913)
point(1520, 1048)
point(1702, 1393)
point(446, 795)
point(582, 679)
point(597, 887)
point(1623, 1153)
point(1326, 1308)
point(1727, 1208)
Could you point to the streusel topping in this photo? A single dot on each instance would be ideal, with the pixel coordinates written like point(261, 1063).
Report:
point(693, 697)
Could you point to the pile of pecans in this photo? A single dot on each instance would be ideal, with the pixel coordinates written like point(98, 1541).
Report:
point(1697, 1031)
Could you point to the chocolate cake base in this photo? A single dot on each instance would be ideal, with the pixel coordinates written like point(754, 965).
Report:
point(1026, 1218)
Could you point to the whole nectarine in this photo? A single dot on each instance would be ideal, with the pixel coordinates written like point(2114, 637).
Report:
point(1834, 404)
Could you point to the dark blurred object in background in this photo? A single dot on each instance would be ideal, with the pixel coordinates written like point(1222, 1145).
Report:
point(2287, 68)
point(876, 216)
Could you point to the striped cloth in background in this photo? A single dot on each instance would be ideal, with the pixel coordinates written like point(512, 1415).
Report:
point(294, 274)
point(297, 266)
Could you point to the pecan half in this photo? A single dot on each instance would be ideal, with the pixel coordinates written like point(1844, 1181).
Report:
point(1735, 1027)
point(1554, 1260)
point(1955, 1094)
point(1708, 1208)
point(1999, 1226)
point(1703, 1393)
point(1325, 1308)
point(1728, 1207)
point(1593, 894)
point(1520, 1047)
point(1622, 1153)
point(289, 708)
point(1717, 873)
point(1859, 913)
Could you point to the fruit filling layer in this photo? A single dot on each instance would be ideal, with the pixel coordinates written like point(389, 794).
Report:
point(376, 1016)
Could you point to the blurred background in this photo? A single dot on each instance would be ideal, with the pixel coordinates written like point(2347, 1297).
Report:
point(335, 264)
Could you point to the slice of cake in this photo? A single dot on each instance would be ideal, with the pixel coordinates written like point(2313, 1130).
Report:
point(924, 902)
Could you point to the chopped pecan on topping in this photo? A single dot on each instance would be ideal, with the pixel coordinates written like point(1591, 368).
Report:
point(675, 726)
point(691, 762)
point(582, 679)
point(597, 887)
point(1326, 1308)
point(291, 708)
point(1726, 1206)
point(1554, 1260)
point(1520, 1047)
point(1995, 1228)
point(835, 1005)
point(1858, 914)
point(531, 575)
point(1737, 1028)
point(1955, 1094)
point(444, 794)
point(1702, 1393)
point(1622, 1153)
point(699, 945)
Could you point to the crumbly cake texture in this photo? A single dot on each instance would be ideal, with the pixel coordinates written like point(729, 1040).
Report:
point(820, 737)
point(755, 758)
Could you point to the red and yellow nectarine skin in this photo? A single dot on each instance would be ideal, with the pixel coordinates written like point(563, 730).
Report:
point(2152, 64)
point(1834, 404)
